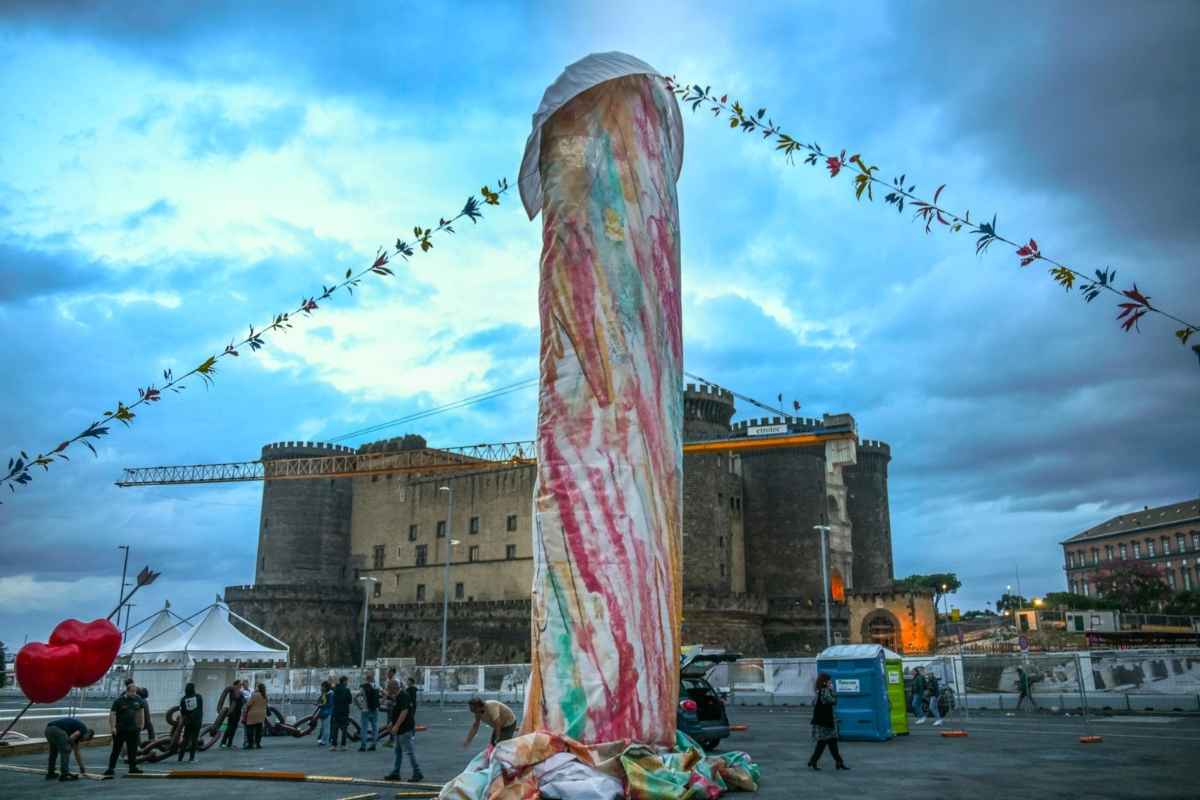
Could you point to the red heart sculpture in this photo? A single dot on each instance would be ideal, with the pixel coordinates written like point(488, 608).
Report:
point(98, 642)
point(46, 672)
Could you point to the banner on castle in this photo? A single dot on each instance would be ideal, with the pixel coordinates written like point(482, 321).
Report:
point(601, 168)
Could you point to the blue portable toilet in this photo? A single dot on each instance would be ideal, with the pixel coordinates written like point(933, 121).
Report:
point(860, 683)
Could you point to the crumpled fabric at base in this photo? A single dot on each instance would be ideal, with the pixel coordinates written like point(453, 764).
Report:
point(556, 767)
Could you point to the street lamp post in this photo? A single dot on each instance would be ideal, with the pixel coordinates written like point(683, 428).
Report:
point(446, 583)
point(366, 579)
point(823, 532)
point(121, 594)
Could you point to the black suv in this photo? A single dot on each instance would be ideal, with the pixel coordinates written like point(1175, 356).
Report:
point(701, 713)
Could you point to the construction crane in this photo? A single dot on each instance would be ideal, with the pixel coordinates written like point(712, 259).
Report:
point(473, 458)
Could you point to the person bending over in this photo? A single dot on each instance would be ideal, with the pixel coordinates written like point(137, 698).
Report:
point(64, 736)
point(499, 716)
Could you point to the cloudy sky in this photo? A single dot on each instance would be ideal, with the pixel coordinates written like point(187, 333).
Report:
point(171, 173)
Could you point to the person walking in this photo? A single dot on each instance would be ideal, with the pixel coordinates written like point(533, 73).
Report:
point(367, 701)
point(499, 716)
point(191, 712)
point(824, 723)
point(918, 695)
point(391, 688)
point(324, 711)
point(256, 717)
point(342, 699)
point(1025, 688)
point(933, 695)
point(126, 719)
point(64, 736)
point(402, 723)
point(236, 703)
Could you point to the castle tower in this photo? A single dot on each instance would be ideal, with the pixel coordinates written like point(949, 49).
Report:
point(304, 526)
point(706, 412)
point(713, 549)
point(871, 524)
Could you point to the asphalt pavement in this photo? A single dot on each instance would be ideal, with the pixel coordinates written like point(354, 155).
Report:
point(1036, 755)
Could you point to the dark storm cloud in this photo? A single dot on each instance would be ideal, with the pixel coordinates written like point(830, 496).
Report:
point(1005, 400)
point(1096, 99)
point(377, 50)
point(30, 269)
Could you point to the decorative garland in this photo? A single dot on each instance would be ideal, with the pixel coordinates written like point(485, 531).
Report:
point(1135, 306)
point(19, 467)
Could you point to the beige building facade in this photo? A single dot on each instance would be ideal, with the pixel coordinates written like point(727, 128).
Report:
point(402, 529)
point(1166, 538)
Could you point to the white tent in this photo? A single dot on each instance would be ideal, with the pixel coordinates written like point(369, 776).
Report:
point(161, 627)
point(208, 655)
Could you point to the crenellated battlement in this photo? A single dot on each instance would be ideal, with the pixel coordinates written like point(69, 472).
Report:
point(709, 392)
point(409, 441)
point(286, 449)
point(875, 446)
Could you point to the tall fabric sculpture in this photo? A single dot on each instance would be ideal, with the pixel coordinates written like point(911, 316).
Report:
point(601, 167)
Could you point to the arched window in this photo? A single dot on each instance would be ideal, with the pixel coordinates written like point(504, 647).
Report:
point(881, 627)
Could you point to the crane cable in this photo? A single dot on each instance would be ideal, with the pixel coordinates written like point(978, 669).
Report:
point(501, 391)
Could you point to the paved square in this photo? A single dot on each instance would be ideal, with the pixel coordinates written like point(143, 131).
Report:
point(1034, 756)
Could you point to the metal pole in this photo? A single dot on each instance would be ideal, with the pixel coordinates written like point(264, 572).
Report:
point(446, 586)
point(121, 594)
point(824, 531)
point(363, 659)
point(1082, 693)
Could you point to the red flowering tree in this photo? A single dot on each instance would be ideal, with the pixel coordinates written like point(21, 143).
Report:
point(1134, 586)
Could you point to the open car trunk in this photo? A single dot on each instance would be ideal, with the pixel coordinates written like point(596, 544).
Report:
point(708, 703)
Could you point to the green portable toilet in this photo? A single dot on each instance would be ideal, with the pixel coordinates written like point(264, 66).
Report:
point(893, 668)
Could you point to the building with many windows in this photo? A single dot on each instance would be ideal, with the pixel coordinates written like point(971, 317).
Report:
point(1167, 537)
point(751, 556)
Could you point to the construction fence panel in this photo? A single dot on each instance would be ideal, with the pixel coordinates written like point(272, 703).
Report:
point(1145, 680)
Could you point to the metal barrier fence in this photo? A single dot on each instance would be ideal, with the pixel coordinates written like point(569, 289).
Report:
point(1162, 680)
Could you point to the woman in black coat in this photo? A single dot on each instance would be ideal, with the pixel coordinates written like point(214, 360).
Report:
point(824, 724)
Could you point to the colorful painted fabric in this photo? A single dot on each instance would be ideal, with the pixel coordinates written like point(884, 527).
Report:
point(607, 593)
point(554, 766)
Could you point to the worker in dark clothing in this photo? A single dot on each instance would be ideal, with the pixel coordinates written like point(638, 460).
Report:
point(144, 693)
point(342, 700)
point(126, 719)
point(237, 701)
point(402, 723)
point(63, 736)
point(1025, 688)
point(191, 713)
point(412, 694)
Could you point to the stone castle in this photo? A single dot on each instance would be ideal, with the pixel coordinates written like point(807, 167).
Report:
point(752, 575)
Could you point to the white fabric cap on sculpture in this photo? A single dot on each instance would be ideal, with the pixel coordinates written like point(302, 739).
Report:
point(575, 80)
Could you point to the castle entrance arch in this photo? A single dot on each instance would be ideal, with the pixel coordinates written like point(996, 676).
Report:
point(882, 627)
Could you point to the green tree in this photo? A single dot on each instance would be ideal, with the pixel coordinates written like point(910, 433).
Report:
point(1185, 603)
point(1134, 586)
point(932, 583)
point(1066, 601)
point(1010, 602)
